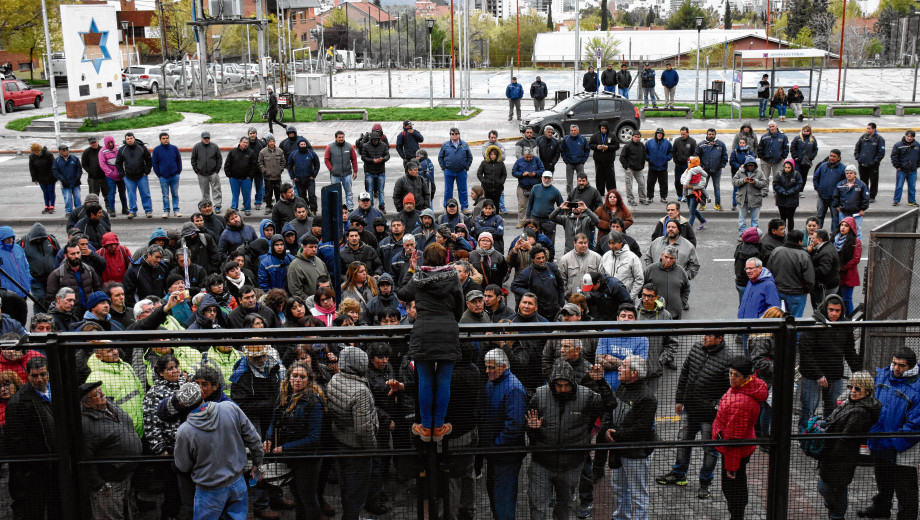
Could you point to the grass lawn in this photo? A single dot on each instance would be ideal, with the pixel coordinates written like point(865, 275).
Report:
point(37, 82)
point(752, 112)
point(222, 111)
point(20, 124)
point(155, 118)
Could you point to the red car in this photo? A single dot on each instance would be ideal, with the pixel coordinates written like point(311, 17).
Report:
point(16, 94)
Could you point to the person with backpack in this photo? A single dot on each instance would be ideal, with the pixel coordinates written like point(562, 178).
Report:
point(408, 142)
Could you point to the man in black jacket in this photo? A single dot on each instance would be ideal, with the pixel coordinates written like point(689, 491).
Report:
point(249, 305)
point(202, 248)
point(684, 147)
point(146, 278)
point(589, 80)
point(134, 164)
point(273, 111)
point(548, 147)
point(285, 210)
point(701, 384)
point(827, 267)
point(869, 153)
point(609, 79)
point(605, 145)
point(624, 80)
point(206, 163)
point(793, 272)
point(94, 174)
point(241, 166)
point(538, 93)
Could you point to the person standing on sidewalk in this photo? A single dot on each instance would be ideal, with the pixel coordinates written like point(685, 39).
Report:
point(206, 163)
point(239, 166)
point(574, 150)
point(851, 198)
point(167, 165)
point(67, 169)
point(683, 148)
point(538, 92)
point(455, 160)
point(605, 146)
point(341, 160)
point(134, 165)
point(658, 153)
point(669, 80)
point(272, 163)
point(713, 158)
point(273, 110)
point(41, 164)
point(609, 79)
point(258, 182)
point(648, 85)
point(589, 80)
point(803, 150)
point(827, 175)
point(763, 95)
point(514, 92)
point(624, 80)
point(905, 157)
point(95, 177)
point(409, 141)
point(375, 153)
point(772, 151)
point(869, 153)
point(632, 159)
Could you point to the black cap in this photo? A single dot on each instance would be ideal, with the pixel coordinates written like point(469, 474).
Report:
point(86, 388)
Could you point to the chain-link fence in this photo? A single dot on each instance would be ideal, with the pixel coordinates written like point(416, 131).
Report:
point(597, 419)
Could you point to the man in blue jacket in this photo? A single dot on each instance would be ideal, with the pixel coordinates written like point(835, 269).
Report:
point(574, 150)
point(669, 79)
point(514, 92)
point(543, 200)
point(68, 170)
point(760, 293)
point(851, 198)
point(647, 77)
point(455, 159)
point(713, 157)
point(167, 165)
point(658, 153)
point(905, 156)
point(528, 170)
point(14, 261)
point(825, 180)
point(897, 388)
point(772, 150)
point(869, 152)
point(503, 425)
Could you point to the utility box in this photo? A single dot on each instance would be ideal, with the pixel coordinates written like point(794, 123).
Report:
point(225, 9)
point(310, 90)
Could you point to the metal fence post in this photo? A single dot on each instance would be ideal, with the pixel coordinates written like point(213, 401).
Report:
point(781, 429)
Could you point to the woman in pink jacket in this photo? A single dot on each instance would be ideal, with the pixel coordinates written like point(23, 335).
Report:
point(107, 156)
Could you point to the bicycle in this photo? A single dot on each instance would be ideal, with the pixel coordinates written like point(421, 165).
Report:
point(251, 111)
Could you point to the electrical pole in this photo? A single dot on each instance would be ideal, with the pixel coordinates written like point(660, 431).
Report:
point(261, 44)
point(54, 105)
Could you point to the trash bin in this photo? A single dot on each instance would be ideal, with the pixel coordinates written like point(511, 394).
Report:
point(719, 85)
point(561, 95)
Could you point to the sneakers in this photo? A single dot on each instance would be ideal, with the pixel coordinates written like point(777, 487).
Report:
point(703, 225)
point(165, 215)
point(632, 202)
point(895, 203)
point(912, 204)
point(734, 207)
point(704, 492)
point(672, 479)
point(45, 211)
point(422, 432)
point(132, 215)
point(718, 207)
point(663, 200)
point(247, 212)
point(872, 512)
point(584, 510)
point(441, 431)
point(177, 214)
point(258, 207)
point(149, 214)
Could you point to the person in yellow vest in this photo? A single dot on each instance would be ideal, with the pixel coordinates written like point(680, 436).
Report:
point(119, 382)
point(189, 361)
point(222, 358)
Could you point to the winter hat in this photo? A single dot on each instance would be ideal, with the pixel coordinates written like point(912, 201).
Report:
point(486, 234)
point(474, 294)
point(173, 278)
point(188, 395)
point(427, 212)
point(189, 229)
point(409, 199)
point(91, 198)
point(86, 388)
point(96, 298)
point(589, 280)
point(255, 350)
point(421, 154)
point(694, 161)
point(750, 235)
point(269, 137)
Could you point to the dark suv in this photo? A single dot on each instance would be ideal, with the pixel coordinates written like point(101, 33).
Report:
point(587, 110)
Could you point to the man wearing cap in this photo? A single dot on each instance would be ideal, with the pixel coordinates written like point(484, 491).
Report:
point(604, 295)
point(167, 165)
point(609, 79)
point(538, 92)
point(67, 169)
point(211, 445)
point(647, 77)
point(795, 98)
point(366, 209)
point(95, 177)
point(273, 110)
point(206, 163)
point(410, 184)
point(514, 92)
point(408, 142)
point(133, 162)
point(624, 80)
point(475, 308)
point(851, 198)
point(669, 80)
point(108, 433)
point(589, 80)
point(544, 199)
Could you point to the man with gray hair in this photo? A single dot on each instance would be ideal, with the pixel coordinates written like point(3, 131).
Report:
point(502, 425)
point(631, 420)
point(684, 251)
point(672, 282)
point(62, 308)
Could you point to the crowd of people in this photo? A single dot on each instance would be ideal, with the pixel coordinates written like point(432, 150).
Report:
point(435, 272)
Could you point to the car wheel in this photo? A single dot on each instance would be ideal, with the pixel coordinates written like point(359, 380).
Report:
point(557, 133)
point(154, 88)
point(625, 132)
point(9, 106)
point(38, 102)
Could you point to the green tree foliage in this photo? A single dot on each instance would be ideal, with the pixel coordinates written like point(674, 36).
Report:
point(685, 17)
point(549, 18)
point(727, 17)
point(609, 49)
point(899, 6)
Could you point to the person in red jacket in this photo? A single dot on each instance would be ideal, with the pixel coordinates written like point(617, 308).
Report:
point(14, 358)
point(117, 258)
point(849, 249)
point(738, 411)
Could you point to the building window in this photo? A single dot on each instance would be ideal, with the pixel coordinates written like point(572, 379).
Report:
point(25, 67)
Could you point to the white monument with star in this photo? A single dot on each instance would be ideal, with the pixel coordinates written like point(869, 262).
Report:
point(91, 36)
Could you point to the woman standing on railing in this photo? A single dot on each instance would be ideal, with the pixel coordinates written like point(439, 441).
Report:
point(838, 458)
point(434, 343)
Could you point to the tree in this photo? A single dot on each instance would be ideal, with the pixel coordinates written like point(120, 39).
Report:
point(650, 18)
point(727, 17)
point(685, 17)
point(549, 18)
point(31, 40)
point(605, 14)
point(20, 15)
point(609, 49)
point(800, 12)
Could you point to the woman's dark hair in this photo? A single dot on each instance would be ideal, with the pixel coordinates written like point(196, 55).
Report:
point(742, 364)
point(379, 350)
point(290, 303)
point(848, 249)
point(275, 299)
point(435, 255)
point(228, 266)
point(211, 280)
point(322, 292)
point(250, 320)
point(162, 362)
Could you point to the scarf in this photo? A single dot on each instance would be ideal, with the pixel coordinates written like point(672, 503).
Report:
point(839, 240)
point(237, 284)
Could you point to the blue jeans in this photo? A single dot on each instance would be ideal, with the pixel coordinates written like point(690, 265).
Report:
point(141, 185)
point(734, 196)
point(71, 198)
point(623, 92)
point(49, 194)
point(743, 212)
point(630, 484)
point(823, 206)
point(449, 178)
point(433, 388)
point(795, 303)
point(689, 427)
point(694, 211)
point(714, 178)
point(122, 194)
point(228, 502)
point(167, 186)
point(847, 294)
point(911, 178)
point(610, 88)
point(238, 187)
point(373, 183)
point(813, 394)
point(763, 107)
point(649, 93)
point(501, 203)
point(354, 478)
point(502, 485)
point(346, 189)
point(259, 183)
point(781, 110)
point(835, 499)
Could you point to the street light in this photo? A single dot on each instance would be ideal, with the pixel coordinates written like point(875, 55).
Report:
point(124, 32)
point(699, 28)
point(430, 23)
point(913, 97)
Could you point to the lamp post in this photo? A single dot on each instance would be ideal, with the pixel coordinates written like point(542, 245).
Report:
point(699, 28)
point(124, 32)
point(430, 22)
point(54, 105)
point(843, 27)
point(913, 97)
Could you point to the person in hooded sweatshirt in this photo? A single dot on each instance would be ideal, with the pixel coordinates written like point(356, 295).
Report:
point(41, 249)
point(659, 152)
point(492, 173)
point(750, 183)
point(303, 166)
point(117, 258)
point(14, 261)
point(375, 153)
point(41, 162)
point(114, 180)
point(273, 266)
point(146, 277)
point(736, 162)
point(134, 164)
point(605, 145)
point(386, 298)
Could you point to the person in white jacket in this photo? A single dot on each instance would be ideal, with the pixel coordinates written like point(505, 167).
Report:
point(623, 264)
point(576, 263)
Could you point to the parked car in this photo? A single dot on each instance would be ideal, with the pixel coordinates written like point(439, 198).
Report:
point(148, 78)
point(249, 70)
point(233, 73)
point(17, 94)
point(587, 110)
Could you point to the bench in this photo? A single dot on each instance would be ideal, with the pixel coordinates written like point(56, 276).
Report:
point(688, 112)
point(319, 113)
point(876, 109)
point(900, 108)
